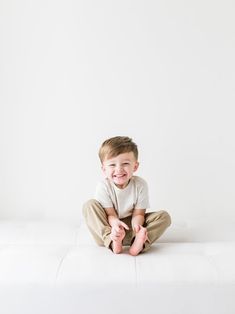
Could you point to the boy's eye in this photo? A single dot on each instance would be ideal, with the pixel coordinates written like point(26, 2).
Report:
point(112, 165)
point(126, 163)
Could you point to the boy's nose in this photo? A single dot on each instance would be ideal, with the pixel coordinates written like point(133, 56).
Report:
point(119, 168)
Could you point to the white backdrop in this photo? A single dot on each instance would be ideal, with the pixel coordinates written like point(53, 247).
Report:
point(73, 73)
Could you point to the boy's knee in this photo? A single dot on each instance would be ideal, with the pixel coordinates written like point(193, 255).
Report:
point(166, 217)
point(88, 205)
point(91, 205)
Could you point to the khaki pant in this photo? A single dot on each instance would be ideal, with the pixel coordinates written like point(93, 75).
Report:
point(97, 222)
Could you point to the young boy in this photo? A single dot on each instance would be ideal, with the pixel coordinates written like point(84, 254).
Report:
point(116, 216)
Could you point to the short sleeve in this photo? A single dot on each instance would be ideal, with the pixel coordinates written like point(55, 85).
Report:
point(142, 195)
point(102, 195)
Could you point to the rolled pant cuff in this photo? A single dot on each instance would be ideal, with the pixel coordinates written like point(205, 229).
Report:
point(147, 246)
point(107, 242)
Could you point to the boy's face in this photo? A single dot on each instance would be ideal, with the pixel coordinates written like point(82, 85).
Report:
point(120, 169)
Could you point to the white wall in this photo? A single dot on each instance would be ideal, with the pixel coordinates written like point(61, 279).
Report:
point(74, 73)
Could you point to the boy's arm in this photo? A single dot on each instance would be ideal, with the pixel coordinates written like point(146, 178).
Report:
point(112, 215)
point(114, 220)
point(138, 218)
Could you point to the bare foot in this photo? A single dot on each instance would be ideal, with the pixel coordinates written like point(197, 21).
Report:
point(140, 239)
point(117, 244)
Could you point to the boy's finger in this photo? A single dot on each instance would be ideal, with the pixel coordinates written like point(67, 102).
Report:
point(125, 226)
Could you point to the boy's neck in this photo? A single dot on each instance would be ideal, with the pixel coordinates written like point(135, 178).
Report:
point(122, 187)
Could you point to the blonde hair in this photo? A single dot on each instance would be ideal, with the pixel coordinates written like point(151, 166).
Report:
point(117, 145)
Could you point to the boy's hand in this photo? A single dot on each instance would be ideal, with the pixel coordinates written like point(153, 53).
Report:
point(118, 231)
point(142, 230)
point(137, 228)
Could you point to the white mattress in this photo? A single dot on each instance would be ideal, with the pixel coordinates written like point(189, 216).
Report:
point(59, 265)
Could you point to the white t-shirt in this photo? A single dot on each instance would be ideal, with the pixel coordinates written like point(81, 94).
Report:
point(134, 195)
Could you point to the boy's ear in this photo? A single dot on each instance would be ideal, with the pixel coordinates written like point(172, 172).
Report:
point(136, 165)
